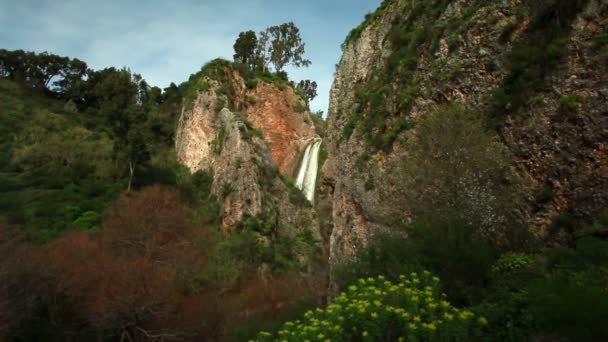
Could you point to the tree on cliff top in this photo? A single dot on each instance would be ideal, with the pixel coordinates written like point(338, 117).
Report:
point(280, 45)
point(286, 47)
point(245, 48)
point(308, 90)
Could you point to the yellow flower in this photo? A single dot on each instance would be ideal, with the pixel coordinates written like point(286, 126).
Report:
point(365, 333)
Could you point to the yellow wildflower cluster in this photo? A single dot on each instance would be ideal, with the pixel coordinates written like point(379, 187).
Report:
point(375, 308)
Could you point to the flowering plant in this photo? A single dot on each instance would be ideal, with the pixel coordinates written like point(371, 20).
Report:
point(376, 309)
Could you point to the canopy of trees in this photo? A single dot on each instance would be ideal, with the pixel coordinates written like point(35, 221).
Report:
point(41, 71)
point(308, 90)
point(279, 45)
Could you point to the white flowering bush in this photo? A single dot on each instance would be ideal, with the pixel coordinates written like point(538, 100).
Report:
point(376, 309)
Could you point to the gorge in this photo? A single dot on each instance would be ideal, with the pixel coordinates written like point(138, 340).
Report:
point(456, 189)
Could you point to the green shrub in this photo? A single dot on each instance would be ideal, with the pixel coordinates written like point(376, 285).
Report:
point(376, 309)
point(300, 108)
point(218, 69)
point(88, 220)
point(571, 305)
point(295, 195)
point(536, 54)
point(251, 83)
point(511, 262)
point(570, 102)
point(453, 250)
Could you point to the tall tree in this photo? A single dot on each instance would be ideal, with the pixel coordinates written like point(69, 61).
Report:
point(308, 90)
point(37, 71)
point(245, 47)
point(120, 103)
point(286, 47)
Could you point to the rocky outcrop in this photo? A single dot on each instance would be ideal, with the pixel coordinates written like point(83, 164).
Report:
point(275, 109)
point(282, 116)
point(246, 178)
point(557, 137)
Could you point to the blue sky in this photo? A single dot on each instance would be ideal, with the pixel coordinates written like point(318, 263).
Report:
point(166, 41)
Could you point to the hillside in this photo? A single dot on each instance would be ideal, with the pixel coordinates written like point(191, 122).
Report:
point(456, 191)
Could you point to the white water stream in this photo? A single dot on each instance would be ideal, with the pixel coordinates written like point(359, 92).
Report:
point(307, 177)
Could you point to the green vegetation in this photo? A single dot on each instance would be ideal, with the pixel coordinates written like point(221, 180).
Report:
point(376, 309)
point(395, 83)
point(570, 102)
point(295, 195)
point(535, 55)
point(355, 33)
point(557, 291)
point(219, 70)
point(279, 45)
point(307, 90)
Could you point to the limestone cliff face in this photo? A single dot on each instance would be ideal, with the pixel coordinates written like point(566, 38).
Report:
point(464, 57)
point(236, 150)
point(274, 109)
point(287, 126)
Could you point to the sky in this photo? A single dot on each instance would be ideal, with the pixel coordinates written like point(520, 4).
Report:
point(165, 41)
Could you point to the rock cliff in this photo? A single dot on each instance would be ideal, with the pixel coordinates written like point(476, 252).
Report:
point(250, 140)
point(536, 69)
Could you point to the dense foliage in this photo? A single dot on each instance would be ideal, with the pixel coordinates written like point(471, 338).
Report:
point(279, 45)
point(376, 309)
point(67, 153)
point(93, 247)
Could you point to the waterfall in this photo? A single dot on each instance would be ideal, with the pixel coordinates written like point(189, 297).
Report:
point(307, 177)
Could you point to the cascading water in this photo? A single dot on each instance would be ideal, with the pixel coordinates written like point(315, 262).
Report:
point(307, 177)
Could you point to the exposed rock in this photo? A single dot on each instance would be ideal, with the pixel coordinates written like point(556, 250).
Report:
point(551, 146)
point(245, 173)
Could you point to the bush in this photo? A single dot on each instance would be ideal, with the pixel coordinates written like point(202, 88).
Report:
point(508, 263)
point(376, 309)
point(458, 170)
point(453, 250)
point(571, 305)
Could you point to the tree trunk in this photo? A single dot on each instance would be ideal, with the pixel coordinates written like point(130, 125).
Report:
point(131, 172)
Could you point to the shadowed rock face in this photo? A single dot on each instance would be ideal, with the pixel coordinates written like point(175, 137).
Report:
point(552, 147)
